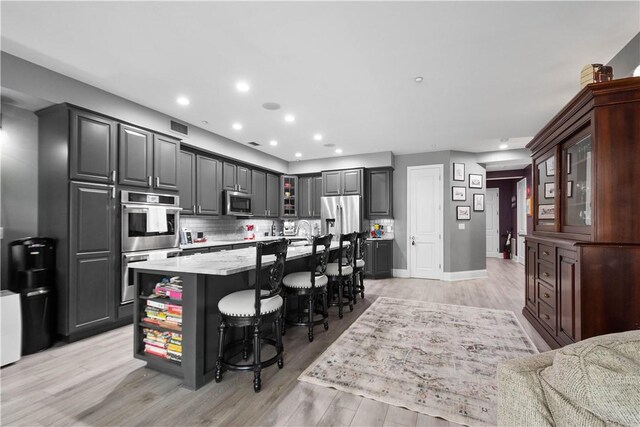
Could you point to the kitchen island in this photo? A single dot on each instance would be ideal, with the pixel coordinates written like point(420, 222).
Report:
point(205, 279)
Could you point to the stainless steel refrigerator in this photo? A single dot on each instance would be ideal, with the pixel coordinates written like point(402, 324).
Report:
point(341, 215)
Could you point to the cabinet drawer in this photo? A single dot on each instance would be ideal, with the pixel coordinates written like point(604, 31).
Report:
point(547, 315)
point(546, 295)
point(546, 253)
point(547, 273)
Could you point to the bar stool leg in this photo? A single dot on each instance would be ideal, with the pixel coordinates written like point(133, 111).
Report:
point(340, 294)
point(221, 332)
point(353, 280)
point(284, 313)
point(279, 346)
point(350, 291)
point(325, 310)
point(361, 274)
point(257, 382)
point(311, 310)
point(245, 343)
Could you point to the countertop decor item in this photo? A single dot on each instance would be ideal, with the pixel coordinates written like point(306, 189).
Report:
point(436, 359)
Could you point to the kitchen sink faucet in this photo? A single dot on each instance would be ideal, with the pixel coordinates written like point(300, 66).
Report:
point(308, 234)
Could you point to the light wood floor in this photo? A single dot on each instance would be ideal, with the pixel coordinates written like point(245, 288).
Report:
point(97, 382)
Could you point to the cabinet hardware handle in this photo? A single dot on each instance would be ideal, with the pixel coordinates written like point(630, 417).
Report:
point(545, 253)
point(546, 295)
point(149, 180)
point(194, 208)
point(545, 274)
point(546, 316)
point(199, 208)
point(113, 192)
point(113, 176)
point(157, 181)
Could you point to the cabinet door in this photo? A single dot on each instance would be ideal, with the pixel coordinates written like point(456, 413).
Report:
point(92, 151)
point(166, 152)
point(369, 248)
point(187, 182)
point(316, 196)
point(531, 262)
point(259, 197)
point(208, 192)
point(289, 196)
point(331, 183)
point(273, 195)
point(304, 194)
point(92, 284)
point(135, 165)
point(229, 176)
point(382, 259)
point(379, 194)
point(567, 297)
point(352, 182)
point(243, 179)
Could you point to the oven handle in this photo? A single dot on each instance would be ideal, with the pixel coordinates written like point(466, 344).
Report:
point(169, 208)
point(144, 256)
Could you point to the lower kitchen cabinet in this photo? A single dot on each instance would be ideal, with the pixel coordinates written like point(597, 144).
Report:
point(378, 258)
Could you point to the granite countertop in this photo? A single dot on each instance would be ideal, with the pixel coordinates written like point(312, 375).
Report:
point(214, 243)
point(221, 263)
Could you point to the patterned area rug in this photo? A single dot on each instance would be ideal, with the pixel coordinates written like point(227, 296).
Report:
point(436, 359)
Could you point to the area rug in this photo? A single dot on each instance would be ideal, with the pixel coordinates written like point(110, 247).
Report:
point(437, 359)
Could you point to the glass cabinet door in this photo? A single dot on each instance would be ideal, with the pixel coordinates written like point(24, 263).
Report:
point(545, 193)
point(577, 184)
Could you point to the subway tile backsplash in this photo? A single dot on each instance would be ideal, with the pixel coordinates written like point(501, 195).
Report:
point(386, 222)
point(229, 228)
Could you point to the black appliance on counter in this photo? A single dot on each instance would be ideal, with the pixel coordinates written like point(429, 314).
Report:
point(32, 275)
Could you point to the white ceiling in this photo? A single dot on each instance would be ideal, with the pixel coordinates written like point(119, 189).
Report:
point(491, 70)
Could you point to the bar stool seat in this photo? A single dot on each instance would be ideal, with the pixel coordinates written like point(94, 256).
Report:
point(301, 280)
point(333, 269)
point(242, 303)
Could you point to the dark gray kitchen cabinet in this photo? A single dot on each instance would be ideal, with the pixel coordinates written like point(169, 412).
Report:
point(208, 186)
point(92, 148)
point(187, 183)
point(236, 178)
point(273, 195)
point(379, 192)
point(92, 275)
point(147, 160)
point(378, 258)
point(310, 192)
point(342, 183)
point(259, 197)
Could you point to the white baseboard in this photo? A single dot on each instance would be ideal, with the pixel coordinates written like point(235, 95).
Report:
point(494, 254)
point(400, 272)
point(463, 275)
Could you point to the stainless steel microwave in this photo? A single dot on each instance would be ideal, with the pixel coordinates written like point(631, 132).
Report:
point(236, 203)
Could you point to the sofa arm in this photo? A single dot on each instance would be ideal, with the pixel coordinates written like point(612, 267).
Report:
point(521, 401)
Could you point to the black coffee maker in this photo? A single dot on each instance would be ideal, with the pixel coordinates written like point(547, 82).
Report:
point(32, 275)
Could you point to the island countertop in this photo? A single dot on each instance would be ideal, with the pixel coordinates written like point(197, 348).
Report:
point(223, 263)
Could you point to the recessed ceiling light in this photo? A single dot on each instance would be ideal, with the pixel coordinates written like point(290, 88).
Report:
point(273, 142)
point(243, 86)
point(338, 150)
point(317, 137)
point(182, 100)
point(418, 79)
point(504, 146)
point(237, 126)
point(298, 154)
point(290, 118)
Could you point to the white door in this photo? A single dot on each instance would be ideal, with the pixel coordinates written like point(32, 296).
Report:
point(522, 218)
point(426, 221)
point(492, 199)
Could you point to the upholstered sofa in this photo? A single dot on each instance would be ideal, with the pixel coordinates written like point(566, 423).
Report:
point(595, 382)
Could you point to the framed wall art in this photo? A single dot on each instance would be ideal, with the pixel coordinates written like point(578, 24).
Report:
point(458, 171)
point(549, 190)
point(550, 165)
point(478, 202)
point(475, 180)
point(546, 211)
point(463, 212)
point(459, 194)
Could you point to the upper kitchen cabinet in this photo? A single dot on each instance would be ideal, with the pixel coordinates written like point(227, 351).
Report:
point(289, 196)
point(265, 200)
point(147, 160)
point(208, 186)
point(92, 150)
point(236, 178)
point(310, 192)
point(379, 185)
point(342, 183)
point(187, 182)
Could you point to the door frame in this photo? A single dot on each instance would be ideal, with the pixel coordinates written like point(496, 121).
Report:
point(440, 169)
point(497, 254)
point(521, 214)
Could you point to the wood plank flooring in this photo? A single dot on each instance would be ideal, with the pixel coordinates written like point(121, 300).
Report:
point(97, 382)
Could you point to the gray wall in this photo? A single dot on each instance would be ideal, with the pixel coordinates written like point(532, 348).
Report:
point(18, 178)
point(31, 79)
point(464, 250)
point(627, 59)
point(370, 160)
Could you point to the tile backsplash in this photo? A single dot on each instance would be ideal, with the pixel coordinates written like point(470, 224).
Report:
point(230, 228)
point(386, 222)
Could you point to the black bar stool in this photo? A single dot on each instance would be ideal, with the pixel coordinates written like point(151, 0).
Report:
point(358, 266)
point(252, 308)
point(310, 284)
point(340, 273)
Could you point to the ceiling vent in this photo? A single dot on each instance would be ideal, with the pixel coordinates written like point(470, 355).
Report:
point(253, 144)
point(179, 127)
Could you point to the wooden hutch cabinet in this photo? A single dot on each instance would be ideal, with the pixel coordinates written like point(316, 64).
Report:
point(583, 255)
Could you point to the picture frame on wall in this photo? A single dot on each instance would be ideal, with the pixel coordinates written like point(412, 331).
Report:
point(458, 171)
point(549, 190)
point(546, 211)
point(463, 213)
point(459, 194)
point(478, 202)
point(475, 180)
point(550, 166)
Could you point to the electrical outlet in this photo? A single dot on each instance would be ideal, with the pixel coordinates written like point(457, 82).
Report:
point(461, 226)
